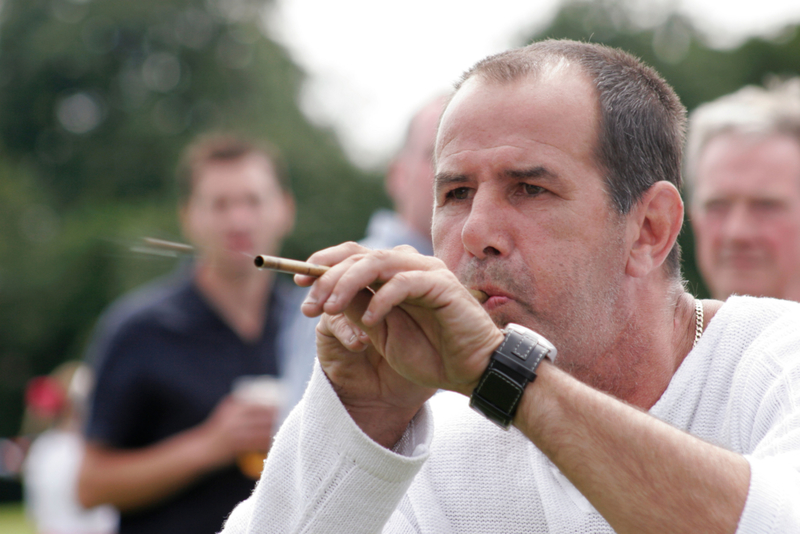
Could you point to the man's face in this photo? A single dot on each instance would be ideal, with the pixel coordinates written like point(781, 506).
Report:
point(411, 182)
point(237, 210)
point(521, 210)
point(746, 216)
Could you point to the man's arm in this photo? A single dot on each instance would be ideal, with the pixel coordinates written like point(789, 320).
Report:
point(641, 474)
point(135, 478)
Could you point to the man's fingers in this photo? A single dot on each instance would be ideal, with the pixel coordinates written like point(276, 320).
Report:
point(333, 255)
point(353, 268)
point(373, 270)
point(436, 289)
point(320, 298)
point(345, 331)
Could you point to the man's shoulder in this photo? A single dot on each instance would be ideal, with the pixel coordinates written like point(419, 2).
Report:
point(756, 314)
point(147, 307)
point(766, 303)
point(387, 230)
point(146, 302)
point(753, 330)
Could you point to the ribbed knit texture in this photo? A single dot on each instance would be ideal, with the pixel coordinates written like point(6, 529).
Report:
point(739, 388)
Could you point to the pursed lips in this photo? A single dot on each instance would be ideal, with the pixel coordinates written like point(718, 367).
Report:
point(740, 259)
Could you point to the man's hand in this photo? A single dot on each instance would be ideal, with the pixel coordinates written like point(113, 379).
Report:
point(379, 400)
point(420, 321)
point(132, 479)
point(235, 427)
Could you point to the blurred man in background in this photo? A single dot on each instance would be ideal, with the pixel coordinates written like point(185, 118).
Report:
point(409, 183)
point(165, 430)
point(743, 171)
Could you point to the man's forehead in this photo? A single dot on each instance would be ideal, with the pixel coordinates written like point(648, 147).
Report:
point(563, 82)
point(559, 109)
point(748, 163)
point(217, 174)
point(555, 70)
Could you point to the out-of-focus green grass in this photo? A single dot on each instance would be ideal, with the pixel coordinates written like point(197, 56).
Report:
point(13, 520)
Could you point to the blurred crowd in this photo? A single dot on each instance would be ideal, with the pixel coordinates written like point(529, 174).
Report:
point(165, 425)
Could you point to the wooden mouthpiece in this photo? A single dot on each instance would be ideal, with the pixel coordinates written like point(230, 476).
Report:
point(285, 265)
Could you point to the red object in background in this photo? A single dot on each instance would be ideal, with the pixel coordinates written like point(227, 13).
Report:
point(45, 396)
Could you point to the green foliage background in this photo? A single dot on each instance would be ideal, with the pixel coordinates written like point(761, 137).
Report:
point(76, 189)
point(97, 98)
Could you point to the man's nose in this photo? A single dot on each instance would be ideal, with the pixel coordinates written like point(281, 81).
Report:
point(739, 224)
point(485, 232)
point(240, 213)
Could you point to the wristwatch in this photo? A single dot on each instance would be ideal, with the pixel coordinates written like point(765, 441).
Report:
point(512, 367)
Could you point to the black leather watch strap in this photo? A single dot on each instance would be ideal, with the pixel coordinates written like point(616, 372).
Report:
point(511, 368)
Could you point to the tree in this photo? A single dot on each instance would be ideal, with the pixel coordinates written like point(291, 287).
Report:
point(97, 98)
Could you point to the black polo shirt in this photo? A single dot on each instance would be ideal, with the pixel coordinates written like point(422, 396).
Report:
point(163, 361)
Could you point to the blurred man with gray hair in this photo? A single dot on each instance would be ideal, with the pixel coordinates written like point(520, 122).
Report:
point(743, 176)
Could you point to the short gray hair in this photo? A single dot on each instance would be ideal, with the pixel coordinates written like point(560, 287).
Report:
point(751, 111)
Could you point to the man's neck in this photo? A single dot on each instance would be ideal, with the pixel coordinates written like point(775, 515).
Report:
point(652, 340)
point(239, 298)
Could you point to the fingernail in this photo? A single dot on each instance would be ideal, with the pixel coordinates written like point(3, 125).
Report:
point(357, 334)
point(309, 300)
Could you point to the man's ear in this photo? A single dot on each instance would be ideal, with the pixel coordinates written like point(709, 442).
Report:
point(653, 226)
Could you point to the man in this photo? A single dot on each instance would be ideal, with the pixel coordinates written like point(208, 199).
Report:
point(557, 173)
point(743, 170)
point(165, 429)
point(409, 183)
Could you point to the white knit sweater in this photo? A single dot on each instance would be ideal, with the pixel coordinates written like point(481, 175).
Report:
point(739, 388)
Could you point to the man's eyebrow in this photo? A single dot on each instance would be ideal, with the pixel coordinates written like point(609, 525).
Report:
point(539, 172)
point(444, 178)
point(533, 172)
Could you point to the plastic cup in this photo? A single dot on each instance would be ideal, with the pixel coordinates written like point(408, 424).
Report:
point(265, 390)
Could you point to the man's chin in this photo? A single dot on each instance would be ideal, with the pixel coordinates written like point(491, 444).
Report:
point(502, 317)
point(745, 287)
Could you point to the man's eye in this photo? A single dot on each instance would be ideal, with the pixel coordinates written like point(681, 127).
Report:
point(766, 206)
point(460, 193)
point(534, 190)
point(716, 207)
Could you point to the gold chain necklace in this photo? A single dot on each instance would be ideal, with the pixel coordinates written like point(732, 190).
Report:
point(698, 318)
